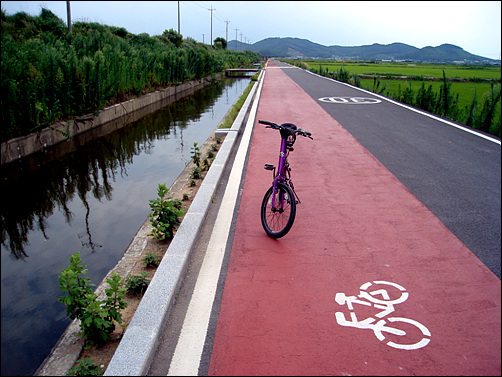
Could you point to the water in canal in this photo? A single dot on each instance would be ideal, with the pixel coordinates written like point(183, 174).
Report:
point(91, 200)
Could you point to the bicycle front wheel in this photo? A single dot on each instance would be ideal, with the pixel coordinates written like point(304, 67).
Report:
point(278, 215)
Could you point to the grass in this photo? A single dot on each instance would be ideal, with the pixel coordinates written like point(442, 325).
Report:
point(410, 69)
point(465, 90)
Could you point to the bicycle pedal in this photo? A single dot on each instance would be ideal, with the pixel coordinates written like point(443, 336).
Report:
point(269, 167)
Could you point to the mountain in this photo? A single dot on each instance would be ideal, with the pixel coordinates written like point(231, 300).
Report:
point(297, 47)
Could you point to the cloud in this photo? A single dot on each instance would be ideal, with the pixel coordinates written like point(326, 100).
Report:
point(472, 25)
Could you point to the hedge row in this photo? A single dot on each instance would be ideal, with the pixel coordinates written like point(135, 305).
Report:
point(51, 74)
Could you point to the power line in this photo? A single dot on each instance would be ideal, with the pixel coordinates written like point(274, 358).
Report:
point(217, 16)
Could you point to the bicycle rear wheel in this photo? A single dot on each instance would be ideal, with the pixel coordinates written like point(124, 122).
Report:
point(277, 220)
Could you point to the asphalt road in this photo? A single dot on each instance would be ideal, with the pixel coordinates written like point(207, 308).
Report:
point(456, 174)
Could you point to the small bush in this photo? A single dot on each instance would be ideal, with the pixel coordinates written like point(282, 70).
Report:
point(150, 260)
point(97, 318)
point(206, 164)
point(195, 154)
point(196, 173)
point(165, 216)
point(85, 367)
point(137, 284)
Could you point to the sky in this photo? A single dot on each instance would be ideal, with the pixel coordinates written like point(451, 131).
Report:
point(471, 25)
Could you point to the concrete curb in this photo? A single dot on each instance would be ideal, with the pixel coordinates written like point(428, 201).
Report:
point(135, 351)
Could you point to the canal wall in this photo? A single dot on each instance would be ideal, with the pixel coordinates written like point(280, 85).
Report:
point(121, 113)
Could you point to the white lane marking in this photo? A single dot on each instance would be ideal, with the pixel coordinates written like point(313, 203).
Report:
point(350, 100)
point(186, 358)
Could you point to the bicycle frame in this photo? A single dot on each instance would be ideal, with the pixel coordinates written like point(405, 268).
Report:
point(283, 171)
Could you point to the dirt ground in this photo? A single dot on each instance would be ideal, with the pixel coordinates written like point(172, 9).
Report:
point(102, 355)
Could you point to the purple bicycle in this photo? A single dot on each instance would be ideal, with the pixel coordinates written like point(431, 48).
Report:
point(278, 208)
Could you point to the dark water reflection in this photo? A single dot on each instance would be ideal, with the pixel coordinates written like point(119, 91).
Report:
point(91, 200)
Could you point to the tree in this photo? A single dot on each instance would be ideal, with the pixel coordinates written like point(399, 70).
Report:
point(174, 37)
point(222, 41)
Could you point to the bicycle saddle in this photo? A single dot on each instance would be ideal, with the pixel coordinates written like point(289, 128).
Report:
point(291, 126)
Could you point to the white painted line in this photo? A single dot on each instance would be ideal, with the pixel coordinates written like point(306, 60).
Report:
point(471, 131)
point(186, 358)
point(350, 100)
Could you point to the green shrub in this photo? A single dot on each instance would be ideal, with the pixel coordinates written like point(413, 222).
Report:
point(195, 154)
point(196, 173)
point(150, 260)
point(50, 74)
point(206, 164)
point(165, 214)
point(85, 367)
point(97, 318)
point(137, 284)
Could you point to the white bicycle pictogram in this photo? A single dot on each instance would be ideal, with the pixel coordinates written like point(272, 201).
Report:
point(350, 100)
point(368, 298)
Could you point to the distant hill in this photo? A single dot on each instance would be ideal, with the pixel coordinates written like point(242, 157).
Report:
point(303, 48)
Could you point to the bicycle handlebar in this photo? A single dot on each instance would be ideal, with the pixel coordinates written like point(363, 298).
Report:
point(276, 126)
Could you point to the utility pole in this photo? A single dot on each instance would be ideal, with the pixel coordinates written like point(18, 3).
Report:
point(68, 14)
point(241, 42)
point(211, 9)
point(179, 18)
point(236, 39)
point(226, 35)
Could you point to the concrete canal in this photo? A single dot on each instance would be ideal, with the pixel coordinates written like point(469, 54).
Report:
point(92, 200)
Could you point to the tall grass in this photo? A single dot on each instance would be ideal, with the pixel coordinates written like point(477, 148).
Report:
point(51, 74)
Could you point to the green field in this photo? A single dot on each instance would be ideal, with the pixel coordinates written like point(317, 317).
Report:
point(409, 69)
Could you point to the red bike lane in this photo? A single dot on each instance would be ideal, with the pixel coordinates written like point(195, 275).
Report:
point(356, 224)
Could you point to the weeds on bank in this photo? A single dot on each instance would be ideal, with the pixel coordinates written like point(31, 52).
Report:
point(97, 318)
point(195, 154)
point(165, 216)
point(85, 367)
point(150, 260)
point(137, 284)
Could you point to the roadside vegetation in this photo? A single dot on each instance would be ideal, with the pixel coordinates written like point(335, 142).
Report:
point(469, 95)
point(51, 74)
